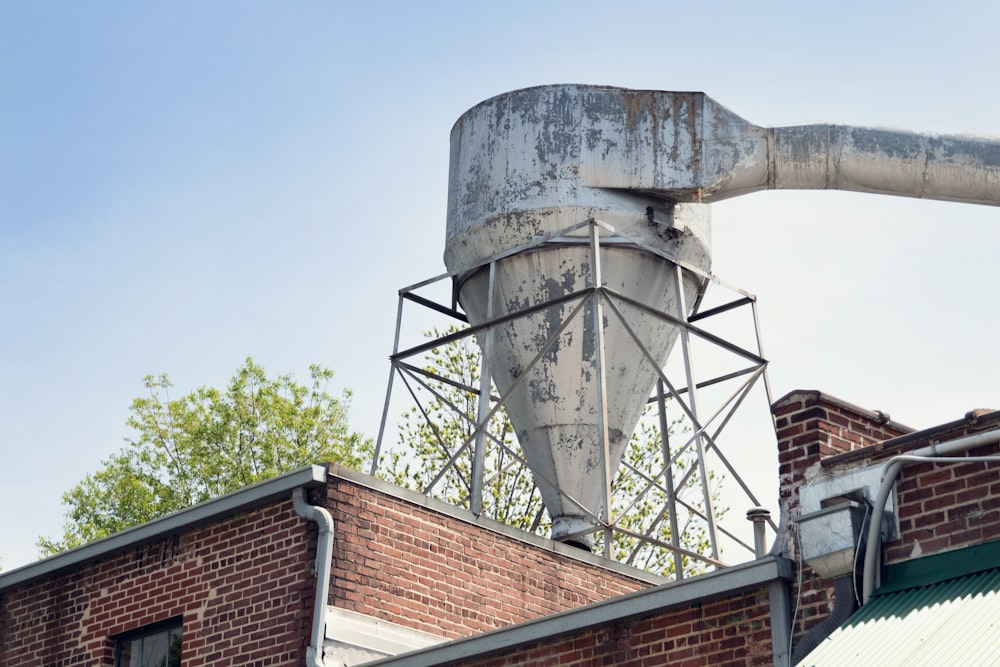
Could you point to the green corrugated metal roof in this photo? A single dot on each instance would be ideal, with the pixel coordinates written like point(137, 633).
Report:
point(951, 622)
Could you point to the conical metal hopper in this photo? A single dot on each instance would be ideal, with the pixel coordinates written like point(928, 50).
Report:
point(555, 407)
point(516, 198)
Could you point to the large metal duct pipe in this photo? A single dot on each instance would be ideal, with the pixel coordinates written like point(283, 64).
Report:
point(527, 164)
point(837, 157)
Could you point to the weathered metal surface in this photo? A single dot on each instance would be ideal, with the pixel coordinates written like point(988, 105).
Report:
point(527, 164)
point(542, 159)
point(519, 171)
point(555, 409)
point(837, 157)
point(830, 538)
point(542, 149)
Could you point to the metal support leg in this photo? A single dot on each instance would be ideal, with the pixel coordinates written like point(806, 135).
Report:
point(699, 437)
point(483, 414)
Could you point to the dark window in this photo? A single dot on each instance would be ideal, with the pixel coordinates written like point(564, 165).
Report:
point(154, 646)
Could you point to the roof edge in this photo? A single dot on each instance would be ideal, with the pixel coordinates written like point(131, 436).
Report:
point(974, 421)
point(939, 567)
point(256, 494)
point(873, 415)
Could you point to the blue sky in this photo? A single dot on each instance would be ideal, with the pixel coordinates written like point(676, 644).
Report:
point(185, 184)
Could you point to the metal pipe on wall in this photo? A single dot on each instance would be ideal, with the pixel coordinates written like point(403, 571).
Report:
point(324, 559)
point(935, 453)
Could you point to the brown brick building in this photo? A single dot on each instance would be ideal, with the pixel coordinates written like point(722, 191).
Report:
point(412, 581)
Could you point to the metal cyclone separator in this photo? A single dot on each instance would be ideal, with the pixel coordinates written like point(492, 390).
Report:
point(568, 195)
point(520, 164)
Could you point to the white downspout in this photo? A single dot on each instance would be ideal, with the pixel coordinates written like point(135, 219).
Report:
point(324, 558)
point(925, 454)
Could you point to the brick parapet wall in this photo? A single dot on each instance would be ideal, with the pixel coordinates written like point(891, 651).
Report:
point(940, 507)
point(241, 585)
point(812, 426)
point(730, 631)
point(411, 565)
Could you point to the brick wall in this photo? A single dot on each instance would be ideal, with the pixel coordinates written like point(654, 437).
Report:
point(244, 584)
point(731, 631)
point(941, 507)
point(409, 564)
point(812, 426)
point(243, 587)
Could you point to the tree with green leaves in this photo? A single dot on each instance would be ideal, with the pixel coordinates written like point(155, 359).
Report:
point(640, 499)
point(430, 434)
point(437, 432)
point(207, 443)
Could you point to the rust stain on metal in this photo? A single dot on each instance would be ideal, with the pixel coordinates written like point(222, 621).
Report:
point(635, 102)
point(695, 134)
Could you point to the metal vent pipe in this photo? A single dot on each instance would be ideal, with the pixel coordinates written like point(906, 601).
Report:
point(837, 157)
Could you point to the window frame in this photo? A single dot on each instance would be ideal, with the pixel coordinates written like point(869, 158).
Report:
point(166, 627)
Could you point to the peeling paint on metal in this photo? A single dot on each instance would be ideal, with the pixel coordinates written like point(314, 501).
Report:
point(534, 162)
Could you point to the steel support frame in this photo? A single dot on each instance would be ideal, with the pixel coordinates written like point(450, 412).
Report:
point(607, 303)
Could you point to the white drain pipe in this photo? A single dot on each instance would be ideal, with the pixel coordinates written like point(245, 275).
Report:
point(933, 454)
point(324, 558)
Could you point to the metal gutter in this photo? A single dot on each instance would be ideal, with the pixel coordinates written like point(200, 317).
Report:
point(189, 517)
point(324, 563)
point(940, 567)
point(761, 573)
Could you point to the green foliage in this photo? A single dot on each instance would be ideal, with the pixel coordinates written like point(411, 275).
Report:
point(208, 443)
point(641, 507)
point(432, 432)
